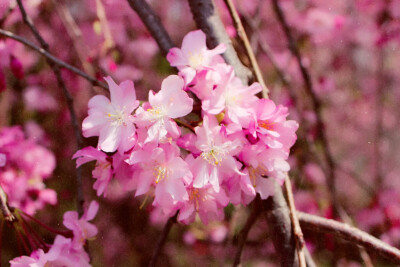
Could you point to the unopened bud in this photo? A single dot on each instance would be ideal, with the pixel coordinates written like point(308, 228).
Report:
point(16, 68)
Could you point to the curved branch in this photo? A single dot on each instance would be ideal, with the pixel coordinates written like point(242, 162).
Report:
point(207, 19)
point(349, 233)
point(162, 239)
point(52, 58)
point(153, 24)
point(255, 213)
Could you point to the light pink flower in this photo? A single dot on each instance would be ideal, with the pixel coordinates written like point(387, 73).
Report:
point(229, 95)
point(216, 161)
point(194, 55)
point(163, 169)
point(204, 201)
point(169, 103)
point(112, 120)
point(102, 171)
point(81, 228)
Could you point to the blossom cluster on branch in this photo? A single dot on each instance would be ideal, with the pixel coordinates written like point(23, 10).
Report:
point(190, 160)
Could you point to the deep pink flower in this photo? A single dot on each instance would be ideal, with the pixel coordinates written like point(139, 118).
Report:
point(269, 124)
point(112, 120)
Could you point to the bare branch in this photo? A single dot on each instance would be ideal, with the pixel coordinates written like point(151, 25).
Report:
point(349, 233)
point(207, 19)
point(52, 58)
point(68, 98)
point(255, 213)
point(162, 239)
point(153, 24)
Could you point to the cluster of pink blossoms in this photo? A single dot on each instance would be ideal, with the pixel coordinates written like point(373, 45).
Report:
point(68, 252)
point(240, 143)
point(24, 165)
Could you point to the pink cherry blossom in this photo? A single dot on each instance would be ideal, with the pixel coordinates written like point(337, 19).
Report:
point(163, 169)
point(194, 55)
point(81, 228)
point(169, 103)
point(270, 125)
point(102, 171)
point(216, 161)
point(205, 202)
point(112, 120)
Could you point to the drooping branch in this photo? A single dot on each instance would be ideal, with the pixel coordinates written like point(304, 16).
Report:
point(52, 58)
point(68, 98)
point(162, 239)
point(208, 20)
point(153, 24)
point(349, 233)
point(316, 104)
point(255, 213)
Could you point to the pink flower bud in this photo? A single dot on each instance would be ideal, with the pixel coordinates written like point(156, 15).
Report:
point(16, 68)
point(3, 84)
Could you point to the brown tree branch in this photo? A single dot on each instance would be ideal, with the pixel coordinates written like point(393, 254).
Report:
point(207, 19)
point(52, 58)
point(68, 98)
point(349, 233)
point(162, 239)
point(255, 213)
point(153, 24)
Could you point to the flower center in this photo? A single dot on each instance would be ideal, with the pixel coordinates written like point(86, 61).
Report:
point(195, 60)
point(213, 156)
point(266, 124)
point(118, 117)
point(160, 173)
point(195, 197)
point(157, 113)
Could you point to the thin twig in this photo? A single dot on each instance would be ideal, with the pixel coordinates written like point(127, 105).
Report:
point(300, 244)
point(349, 233)
point(162, 239)
point(7, 13)
point(68, 98)
point(255, 213)
point(75, 34)
point(7, 214)
point(245, 40)
point(207, 19)
point(316, 104)
point(52, 58)
point(153, 24)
